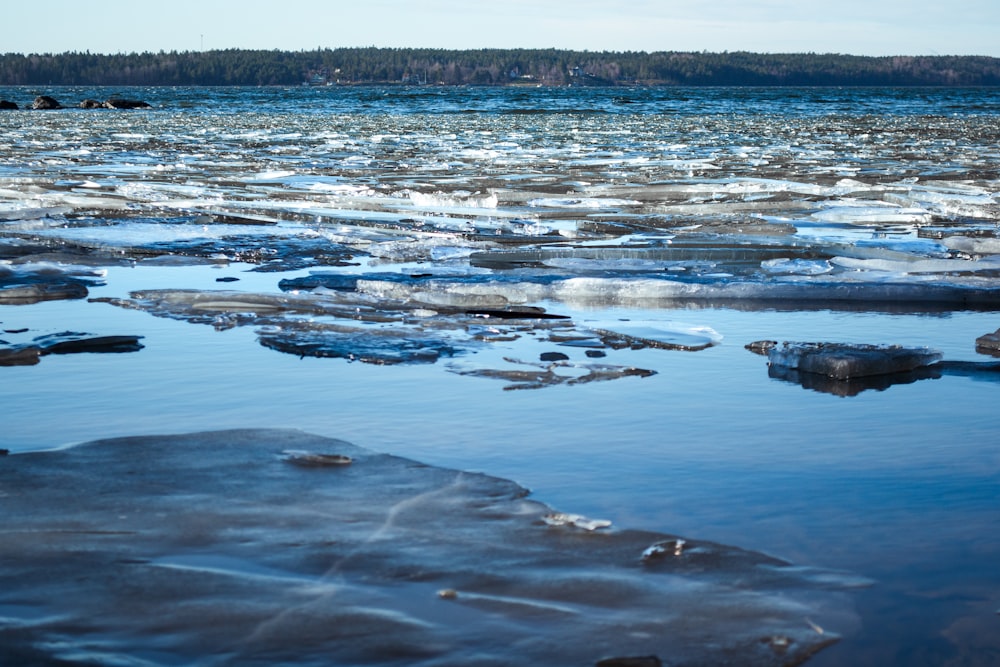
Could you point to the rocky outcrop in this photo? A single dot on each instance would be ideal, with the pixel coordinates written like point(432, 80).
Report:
point(119, 103)
point(46, 102)
point(91, 104)
point(8, 105)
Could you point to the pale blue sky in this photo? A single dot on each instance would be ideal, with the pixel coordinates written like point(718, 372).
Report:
point(862, 27)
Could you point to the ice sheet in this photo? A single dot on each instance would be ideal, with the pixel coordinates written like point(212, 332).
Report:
point(213, 548)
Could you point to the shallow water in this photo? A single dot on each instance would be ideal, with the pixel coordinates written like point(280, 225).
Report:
point(513, 197)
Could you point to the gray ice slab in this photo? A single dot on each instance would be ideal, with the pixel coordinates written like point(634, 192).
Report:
point(276, 547)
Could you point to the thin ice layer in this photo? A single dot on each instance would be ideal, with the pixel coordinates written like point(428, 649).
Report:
point(218, 548)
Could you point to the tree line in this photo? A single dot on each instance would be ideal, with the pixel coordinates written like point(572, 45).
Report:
point(346, 66)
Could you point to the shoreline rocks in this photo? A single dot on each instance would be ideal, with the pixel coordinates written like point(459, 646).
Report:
point(46, 103)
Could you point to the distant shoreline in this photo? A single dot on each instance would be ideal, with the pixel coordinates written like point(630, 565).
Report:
point(492, 67)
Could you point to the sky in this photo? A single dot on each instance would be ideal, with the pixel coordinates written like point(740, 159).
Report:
point(858, 27)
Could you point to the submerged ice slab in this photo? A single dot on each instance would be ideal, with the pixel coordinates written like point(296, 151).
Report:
point(222, 548)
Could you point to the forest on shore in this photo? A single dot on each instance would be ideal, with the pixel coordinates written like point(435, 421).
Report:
point(554, 67)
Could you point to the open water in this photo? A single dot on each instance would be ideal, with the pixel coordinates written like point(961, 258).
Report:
point(671, 228)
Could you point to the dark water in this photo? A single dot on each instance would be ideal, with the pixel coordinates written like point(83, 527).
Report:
point(680, 217)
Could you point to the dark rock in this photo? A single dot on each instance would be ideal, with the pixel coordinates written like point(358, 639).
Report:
point(8, 105)
point(227, 279)
point(91, 104)
point(554, 356)
point(119, 103)
point(636, 661)
point(45, 102)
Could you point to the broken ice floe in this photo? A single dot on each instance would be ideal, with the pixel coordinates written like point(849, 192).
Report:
point(383, 561)
point(846, 369)
point(845, 361)
point(386, 325)
point(23, 284)
point(66, 342)
point(575, 521)
point(530, 375)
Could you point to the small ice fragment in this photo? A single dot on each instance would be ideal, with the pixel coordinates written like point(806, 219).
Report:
point(779, 643)
point(576, 520)
point(664, 549)
point(314, 459)
point(448, 594)
point(817, 629)
point(800, 267)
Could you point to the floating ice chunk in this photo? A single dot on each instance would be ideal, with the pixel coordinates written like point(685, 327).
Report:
point(663, 335)
point(973, 246)
point(843, 361)
point(581, 202)
point(454, 200)
point(917, 265)
point(664, 549)
point(799, 267)
point(868, 214)
point(575, 520)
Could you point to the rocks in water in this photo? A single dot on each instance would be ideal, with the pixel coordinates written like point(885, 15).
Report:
point(631, 661)
point(989, 344)
point(845, 361)
point(384, 561)
point(120, 103)
point(44, 102)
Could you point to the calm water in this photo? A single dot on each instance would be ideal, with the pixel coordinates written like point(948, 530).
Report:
point(611, 207)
